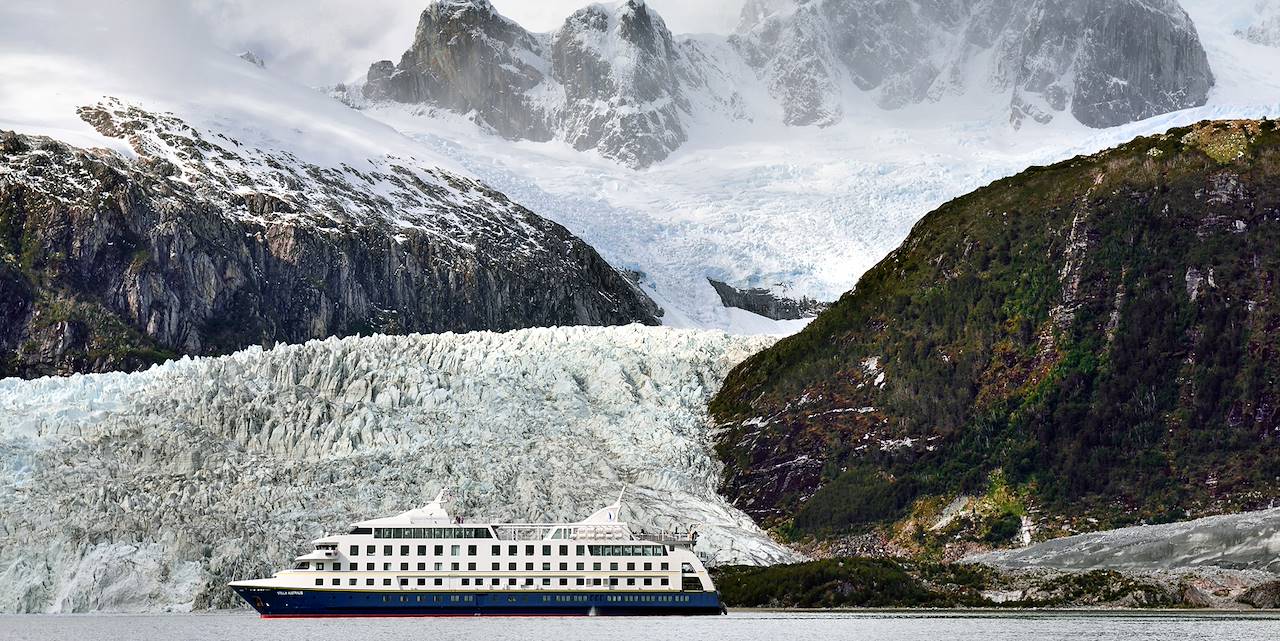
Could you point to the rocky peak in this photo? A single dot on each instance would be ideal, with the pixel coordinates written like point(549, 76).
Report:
point(617, 64)
point(607, 80)
point(468, 58)
point(1080, 56)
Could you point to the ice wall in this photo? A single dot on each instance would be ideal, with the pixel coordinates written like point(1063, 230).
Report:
point(150, 491)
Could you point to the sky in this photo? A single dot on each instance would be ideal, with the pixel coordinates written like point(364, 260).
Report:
point(322, 42)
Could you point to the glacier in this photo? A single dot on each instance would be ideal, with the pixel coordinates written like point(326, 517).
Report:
point(1248, 542)
point(149, 491)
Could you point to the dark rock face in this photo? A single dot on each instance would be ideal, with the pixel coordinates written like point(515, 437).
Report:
point(606, 80)
point(1096, 339)
point(113, 265)
point(761, 301)
point(1108, 62)
point(1263, 597)
point(467, 58)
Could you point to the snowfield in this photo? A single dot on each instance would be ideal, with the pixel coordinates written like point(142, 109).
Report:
point(150, 491)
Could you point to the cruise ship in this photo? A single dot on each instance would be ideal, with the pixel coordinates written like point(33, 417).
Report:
point(426, 563)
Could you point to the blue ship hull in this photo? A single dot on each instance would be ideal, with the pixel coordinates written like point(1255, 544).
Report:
point(284, 603)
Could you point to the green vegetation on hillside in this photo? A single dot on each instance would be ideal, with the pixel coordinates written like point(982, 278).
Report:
point(1102, 333)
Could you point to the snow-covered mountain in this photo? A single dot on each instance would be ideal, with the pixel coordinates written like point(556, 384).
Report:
point(751, 202)
point(614, 79)
point(611, 79)
point(1106, 62)
point(117, 494)
point(205, 204)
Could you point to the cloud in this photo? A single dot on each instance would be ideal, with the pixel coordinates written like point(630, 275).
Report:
point(327, 41)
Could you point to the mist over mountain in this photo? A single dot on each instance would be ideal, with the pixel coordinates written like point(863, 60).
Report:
point(614, 79)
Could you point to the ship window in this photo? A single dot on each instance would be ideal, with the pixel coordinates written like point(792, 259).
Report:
point(648, 581)
point(370, 549)
point(494, 581)
point(422, 581)
point(631, 566)
point(422, 550)
point(664, 566)
point(579, 566)
point(580, 581)
point(528, 566)
point(355, 551)
point(615, 550)
point(564, 566)
point(466, 581)
point(361, 530)
point(404, 550)
point(439, 549)
point(471, 565)
point(512, 550)
point(664, 581)
point(386, 567)
point(368, 566)
point(336, 582)
point(304, 565)
point(564, 581)
point(546, 550)
point(439, 582)
point(319, 566)
point(613, 566)
point(454, 550)
point(386, 550)
point(528, 550)
point(631, 581)
point(497, 566)
point(471, 550)
point(564, 550)
point(546, 581)
point(595, 566)
point(595, 581)
point(528, 581)
point(439, 566)
point(577, 550)
point(386, 581)
point(353, 566)
point(511, 566)
point(648, 567)
point(404, 566)
point(546, 566)
point(613, 580)
point(422, 566)
point(511, 582)
point(368, 581)
point(453, 566)
point(319, 581)
point(351, 581)
point(496, 551)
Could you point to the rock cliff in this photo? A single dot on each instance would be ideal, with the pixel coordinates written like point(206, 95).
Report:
point(201, 245)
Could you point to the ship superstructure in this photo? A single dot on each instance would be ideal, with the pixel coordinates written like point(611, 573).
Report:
point(426, 562)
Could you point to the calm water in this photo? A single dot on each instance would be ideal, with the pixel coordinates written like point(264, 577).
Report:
point(742, 626)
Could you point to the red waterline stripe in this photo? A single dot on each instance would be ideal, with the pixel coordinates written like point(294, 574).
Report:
point(400, 616)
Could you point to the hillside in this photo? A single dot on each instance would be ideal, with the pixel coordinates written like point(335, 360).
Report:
point(1080, 346)
point(161, 197)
